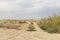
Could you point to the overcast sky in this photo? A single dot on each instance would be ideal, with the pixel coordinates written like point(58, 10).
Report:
point(28, 9)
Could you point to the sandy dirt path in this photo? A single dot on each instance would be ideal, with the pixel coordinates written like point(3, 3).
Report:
point(12, 34)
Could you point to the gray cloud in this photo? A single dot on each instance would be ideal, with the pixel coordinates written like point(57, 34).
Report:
point(27, 9)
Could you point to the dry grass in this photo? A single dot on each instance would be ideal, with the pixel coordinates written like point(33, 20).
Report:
point(16, 29)
point(51, 24)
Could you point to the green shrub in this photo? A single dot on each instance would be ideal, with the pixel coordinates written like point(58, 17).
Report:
point(31, 29)
point(43, 27)
point(51, 24)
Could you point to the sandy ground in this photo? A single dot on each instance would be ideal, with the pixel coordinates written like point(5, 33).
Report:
point(13, 34)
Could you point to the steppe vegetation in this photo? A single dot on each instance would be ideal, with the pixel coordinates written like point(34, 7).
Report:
point(50, 24)
point(39, 29)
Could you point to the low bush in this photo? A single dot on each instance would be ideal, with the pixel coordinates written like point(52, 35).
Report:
point(51, 24)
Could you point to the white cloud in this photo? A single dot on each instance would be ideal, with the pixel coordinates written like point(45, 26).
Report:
point(27, 8)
